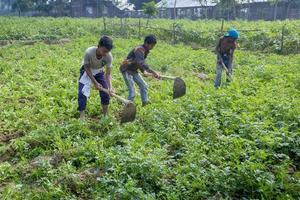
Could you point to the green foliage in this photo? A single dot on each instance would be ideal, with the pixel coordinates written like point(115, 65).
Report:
point(238, 142)
point(150, 9)
point(139, 3)
point(204, 33)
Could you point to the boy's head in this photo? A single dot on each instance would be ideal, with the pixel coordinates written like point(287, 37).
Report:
point(150, 41)
point(233, 33)
point(105, 45)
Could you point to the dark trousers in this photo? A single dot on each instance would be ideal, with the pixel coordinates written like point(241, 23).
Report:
point(82, 100)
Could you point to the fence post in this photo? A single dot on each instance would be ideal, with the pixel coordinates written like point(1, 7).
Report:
point(104, 24)
point(121, 26)
point(139, 28)
point(222, 26)
point(112, 28)
point(126, 28)
point(282, 38)
point(174, 33)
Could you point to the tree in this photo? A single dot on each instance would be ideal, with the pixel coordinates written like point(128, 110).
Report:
point(150, 9)
point(61, 6)
point(43, 6)
point(275, 4)
point(139, 3)
point(226, 7)
point(22, 5)
point(230, 7)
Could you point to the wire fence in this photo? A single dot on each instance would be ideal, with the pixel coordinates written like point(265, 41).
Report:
point(176, 33)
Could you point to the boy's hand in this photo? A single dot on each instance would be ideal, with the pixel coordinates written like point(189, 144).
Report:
point(111, 91)
point(229, 74)
point(98, 86)
point(156, 75)
point(126, 62)
point(146, 74)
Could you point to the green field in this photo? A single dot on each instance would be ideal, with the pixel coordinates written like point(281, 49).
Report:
point(255, 36)
point(241, 141)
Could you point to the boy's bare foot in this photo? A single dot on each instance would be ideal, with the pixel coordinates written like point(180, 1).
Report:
point(82, 115)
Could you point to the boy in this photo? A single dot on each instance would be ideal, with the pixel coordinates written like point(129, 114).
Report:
point(93, 71)
point(225, 50)
point(136, 61)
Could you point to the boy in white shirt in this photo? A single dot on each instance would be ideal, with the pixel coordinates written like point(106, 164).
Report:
point(96, 69)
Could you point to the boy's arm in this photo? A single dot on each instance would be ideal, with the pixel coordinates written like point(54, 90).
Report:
point(140, 59)
point(218, 47)
point(88, 70)
point(108, 77)
point(230, 62)
point(231, 56)
point(150, 72)
point(218, 52)
point(147, 74)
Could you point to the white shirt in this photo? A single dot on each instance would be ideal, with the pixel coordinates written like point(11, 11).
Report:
point(93, 62)
point(96, 65)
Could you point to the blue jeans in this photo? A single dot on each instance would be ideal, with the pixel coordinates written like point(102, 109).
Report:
point(219, 70)
point(129, 80)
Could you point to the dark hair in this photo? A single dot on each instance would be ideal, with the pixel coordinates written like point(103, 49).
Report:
point(150, 39)
point(106, 42)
